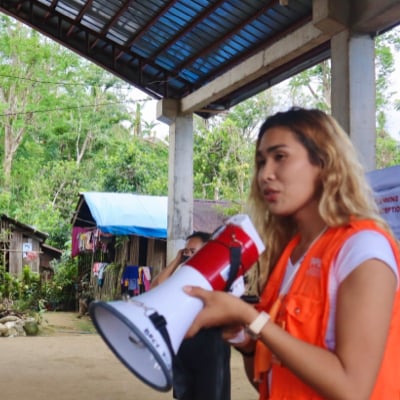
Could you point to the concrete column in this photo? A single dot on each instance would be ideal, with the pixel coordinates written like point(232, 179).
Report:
point(180, 174)
point(353, 91)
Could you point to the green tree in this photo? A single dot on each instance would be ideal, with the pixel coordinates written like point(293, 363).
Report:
point(92, 107)
point(140, 166)
point(312, 87)
point(388, 150)
point(223, 150)
point(20, 96)
point(60, 116)
point(68, 126)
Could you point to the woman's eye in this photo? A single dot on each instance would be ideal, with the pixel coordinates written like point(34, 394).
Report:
point(279, 156)
point(260, 162)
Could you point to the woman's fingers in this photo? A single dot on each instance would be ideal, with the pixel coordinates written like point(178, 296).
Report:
point(195, 291)
point(198, 322)
point(220, 308)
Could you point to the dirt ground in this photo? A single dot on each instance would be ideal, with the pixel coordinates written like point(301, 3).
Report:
point(69, 361)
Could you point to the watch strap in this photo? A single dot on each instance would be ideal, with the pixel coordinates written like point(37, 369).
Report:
point(254, 329)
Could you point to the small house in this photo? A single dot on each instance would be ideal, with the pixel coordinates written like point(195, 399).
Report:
point(22, 245)
point(47, 255)
point(113, 231)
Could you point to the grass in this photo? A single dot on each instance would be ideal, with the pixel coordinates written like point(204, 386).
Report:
point(56, 323)
point(86, 325)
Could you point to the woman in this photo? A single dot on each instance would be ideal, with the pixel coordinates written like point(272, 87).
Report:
point(328, 323)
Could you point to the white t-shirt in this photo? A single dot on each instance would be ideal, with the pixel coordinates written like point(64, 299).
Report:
point(358, 248)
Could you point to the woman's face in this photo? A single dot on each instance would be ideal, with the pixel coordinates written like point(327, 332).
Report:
point(192, 246)
point(286, 179)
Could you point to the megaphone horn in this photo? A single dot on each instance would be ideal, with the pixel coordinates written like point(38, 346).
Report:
point(145, 331)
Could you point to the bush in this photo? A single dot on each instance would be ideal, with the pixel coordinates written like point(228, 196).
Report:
point(23, 292)
point(60, 292)
point(27, 292)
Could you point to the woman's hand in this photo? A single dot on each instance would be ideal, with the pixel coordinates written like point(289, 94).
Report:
point(220, 309)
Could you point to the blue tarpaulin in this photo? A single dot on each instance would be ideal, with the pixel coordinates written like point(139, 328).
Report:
point(129, 214)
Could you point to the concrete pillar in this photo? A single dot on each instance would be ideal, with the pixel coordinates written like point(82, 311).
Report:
point(180, 174)
point(353, 91)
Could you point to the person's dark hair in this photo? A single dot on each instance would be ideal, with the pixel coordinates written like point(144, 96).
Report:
point(204, 236)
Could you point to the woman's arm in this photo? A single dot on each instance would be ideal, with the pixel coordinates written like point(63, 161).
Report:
point(168, 270)
point(364, 308)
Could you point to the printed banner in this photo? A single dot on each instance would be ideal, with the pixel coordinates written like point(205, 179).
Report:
point(386, 185)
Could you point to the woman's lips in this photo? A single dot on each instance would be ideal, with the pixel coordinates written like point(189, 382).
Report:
point(270, 195)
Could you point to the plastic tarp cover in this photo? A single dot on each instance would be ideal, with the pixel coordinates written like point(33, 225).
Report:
point(129, 214)
point(386, 185)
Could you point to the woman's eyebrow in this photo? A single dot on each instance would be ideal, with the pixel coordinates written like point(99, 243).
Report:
point(271, 149)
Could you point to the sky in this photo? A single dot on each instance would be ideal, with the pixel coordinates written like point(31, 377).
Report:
point(149, 111)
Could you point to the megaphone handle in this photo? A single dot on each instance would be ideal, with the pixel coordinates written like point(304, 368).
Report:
point(235, 259)
point(160, 323)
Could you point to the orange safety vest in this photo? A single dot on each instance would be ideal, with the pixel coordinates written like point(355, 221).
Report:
point(304, 313)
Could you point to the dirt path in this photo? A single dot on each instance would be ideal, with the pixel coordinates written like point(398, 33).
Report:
point(71, 363)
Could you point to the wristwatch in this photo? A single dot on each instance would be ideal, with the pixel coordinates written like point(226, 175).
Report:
point(254, 329)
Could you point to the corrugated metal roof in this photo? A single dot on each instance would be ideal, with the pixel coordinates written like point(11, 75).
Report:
point(27, 229)
point(167, 48)
point(173, 48)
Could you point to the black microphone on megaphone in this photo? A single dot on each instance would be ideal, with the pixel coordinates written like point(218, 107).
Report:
point(146, 331)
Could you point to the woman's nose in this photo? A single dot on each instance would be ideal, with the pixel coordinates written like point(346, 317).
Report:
point(267, 172)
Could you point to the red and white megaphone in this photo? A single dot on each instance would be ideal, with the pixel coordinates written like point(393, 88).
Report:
point(145, 332)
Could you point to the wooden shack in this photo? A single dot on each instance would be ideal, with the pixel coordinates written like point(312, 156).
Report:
point(47, 255)
point(22, 245)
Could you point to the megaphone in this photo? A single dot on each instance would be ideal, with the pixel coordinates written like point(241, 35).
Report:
point(146, 331)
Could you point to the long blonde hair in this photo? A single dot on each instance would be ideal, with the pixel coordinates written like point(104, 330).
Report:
point(345, 190)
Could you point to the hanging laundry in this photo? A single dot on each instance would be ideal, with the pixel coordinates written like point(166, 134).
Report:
point(86, 241)
point(100, 278)
point(77, 244)
point(145, 278)
point(130, 280)
point(96, 268)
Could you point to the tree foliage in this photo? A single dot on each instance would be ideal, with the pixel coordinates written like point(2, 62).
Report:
point(140, 166)
point(68, 126)
point(312, 88)
point(224, 150)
